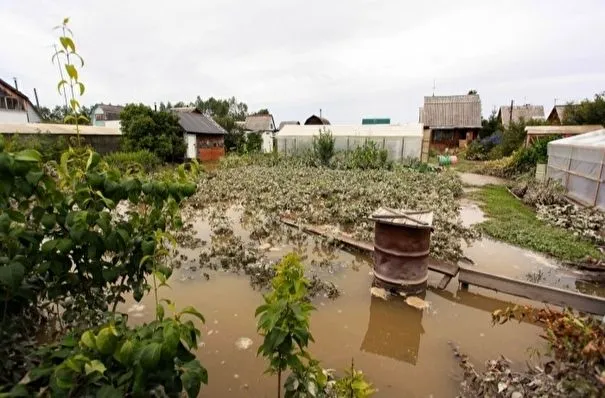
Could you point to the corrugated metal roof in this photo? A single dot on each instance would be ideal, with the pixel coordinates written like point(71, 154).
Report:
point(561, 130)
point(194, 122)
point(65, 129)
point(525, 112)
point(365, 130)
point(452, 111)
point(260, 123)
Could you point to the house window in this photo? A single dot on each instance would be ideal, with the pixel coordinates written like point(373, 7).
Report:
point(443, 136)
point(10, 103)
point(13, 103)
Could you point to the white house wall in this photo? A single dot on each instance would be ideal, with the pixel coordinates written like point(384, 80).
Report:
point(7, 116)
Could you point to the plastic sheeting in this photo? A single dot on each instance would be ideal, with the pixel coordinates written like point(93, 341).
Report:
point(401, 141)
point(578, 162)
point(398, 148)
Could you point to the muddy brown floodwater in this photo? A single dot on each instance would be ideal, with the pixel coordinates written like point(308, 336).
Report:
point(404, 352)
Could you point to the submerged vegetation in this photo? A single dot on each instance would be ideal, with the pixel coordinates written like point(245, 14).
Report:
point(510, 220)
point(573, 364)
point(343, 199)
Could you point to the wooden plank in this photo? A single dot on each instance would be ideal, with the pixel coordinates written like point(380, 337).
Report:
point(435, 265)
point(533, 291)
point(444, 282)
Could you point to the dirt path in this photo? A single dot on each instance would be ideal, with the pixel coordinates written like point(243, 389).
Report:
point(479, 180)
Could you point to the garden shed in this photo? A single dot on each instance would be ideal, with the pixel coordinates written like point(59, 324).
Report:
point(534, 133)
point(578, 162)
point(103, 139)
point(402, 141)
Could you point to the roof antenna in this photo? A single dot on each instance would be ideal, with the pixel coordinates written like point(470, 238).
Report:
point(320, 112)
point(433, 87)
point(16, 86)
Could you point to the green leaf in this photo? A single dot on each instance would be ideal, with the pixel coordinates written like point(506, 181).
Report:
point(81, 85)
point(94, 366)
point(72, 72)
point(12, 274)
point(150, 355)
point(49, 245)
point(108, 391)
point(63, 378)
point(60, 85)
point(88, 340)
point(192, 311)
point(125, 353)
point(48, 221)
point(106, 341)
point(28, 155)
point(193, 376)
point(64, 245)
point(33, 177)
point(74, 104)
point(93, 160)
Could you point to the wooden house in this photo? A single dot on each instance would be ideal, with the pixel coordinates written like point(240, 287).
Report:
point(451, 121)
point(15, 107)
point(204, 138)
point(520, 113)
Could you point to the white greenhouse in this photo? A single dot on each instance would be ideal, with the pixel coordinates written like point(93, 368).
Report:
point(578, 163)
point(401, 141)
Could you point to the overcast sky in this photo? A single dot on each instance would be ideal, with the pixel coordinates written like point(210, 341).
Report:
point(351, 58)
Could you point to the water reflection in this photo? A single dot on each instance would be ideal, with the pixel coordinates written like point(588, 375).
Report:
point(394, 330)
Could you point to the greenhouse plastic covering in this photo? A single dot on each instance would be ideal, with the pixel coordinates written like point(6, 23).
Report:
point(578, 162)
point(401, 141)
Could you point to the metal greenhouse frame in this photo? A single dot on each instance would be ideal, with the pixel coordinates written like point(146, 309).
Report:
point(578, 162)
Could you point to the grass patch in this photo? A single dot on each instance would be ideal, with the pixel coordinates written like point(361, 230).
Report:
point(513, 222)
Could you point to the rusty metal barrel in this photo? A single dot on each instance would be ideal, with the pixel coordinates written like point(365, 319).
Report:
point(402, 240)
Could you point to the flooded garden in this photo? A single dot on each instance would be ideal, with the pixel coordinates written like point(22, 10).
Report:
point(234, 236)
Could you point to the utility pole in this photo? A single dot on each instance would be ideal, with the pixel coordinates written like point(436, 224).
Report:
point(320, 112)
point(434, 84)
point(61, 74)
point(37, 102)
point(510, 117)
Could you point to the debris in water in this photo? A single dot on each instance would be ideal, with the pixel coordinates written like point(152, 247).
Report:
point(417, 302)
point(215, 322)
point(265, 246)
point(243, 343)
point(379, 292)
point(274, 249)
point(236, 376)
point(137, 315)
point(201, 344)
point(210, 332)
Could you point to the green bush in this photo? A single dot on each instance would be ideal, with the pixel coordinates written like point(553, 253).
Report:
point(254, 142)
point(48, 145)
point(476, 151)
point(367, 157)
point(323, 147)
point(142, 160)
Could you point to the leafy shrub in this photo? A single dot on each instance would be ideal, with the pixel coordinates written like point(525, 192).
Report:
point(254, 142)
point(366, 157)
point(323, 147)
point(535, 193)
point(49, 146)
point(157, 132)
point(479, 150)
point(283, 321)
point(115, 360)
point(50, 217)
point(142, 160)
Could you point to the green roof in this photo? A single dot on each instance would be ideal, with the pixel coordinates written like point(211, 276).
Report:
point(376, 121)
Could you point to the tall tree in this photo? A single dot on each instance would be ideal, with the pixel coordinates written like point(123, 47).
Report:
point(263, 111)
point(158, 132)
point(587, 111)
